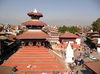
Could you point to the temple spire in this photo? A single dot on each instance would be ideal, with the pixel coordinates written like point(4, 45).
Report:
point(69, 54)
point(35, 14)
point(35, 11)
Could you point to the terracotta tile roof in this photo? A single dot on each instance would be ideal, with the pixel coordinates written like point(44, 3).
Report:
point(75, 45)
point(68, 35)
point(92, 32)
point(33, 35)
point(35, 23)
point(2, 33)
point(38, 58)
point(11, 37)
point(3, 37)
point(5, 70)
point(94, 66)
point(35, 14)
point(14, 27)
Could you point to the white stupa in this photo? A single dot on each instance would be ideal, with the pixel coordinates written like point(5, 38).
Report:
point(69, 54)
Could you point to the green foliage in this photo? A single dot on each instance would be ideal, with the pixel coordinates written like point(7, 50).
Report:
point(96, 25)
point(62, 29)
point(71, 29)
point(74, 29)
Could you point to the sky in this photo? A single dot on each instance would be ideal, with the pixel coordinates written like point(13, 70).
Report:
point(55, 12)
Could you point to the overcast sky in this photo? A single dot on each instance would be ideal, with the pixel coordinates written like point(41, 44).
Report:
point(56, 12)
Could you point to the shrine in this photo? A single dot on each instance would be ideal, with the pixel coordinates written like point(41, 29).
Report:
point(34, 36)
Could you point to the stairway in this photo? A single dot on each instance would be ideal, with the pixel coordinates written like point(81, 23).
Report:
point(35, 60)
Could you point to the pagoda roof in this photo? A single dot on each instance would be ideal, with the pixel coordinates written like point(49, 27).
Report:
point(33, 35)
point(68, 35)
point(5, 70)
point(35, 14)
point(34, 22)
point(34, 60)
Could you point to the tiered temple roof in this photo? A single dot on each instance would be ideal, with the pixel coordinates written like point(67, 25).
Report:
point(35, 60)
point(34, 23)
point(33, 35)
point(35, 16)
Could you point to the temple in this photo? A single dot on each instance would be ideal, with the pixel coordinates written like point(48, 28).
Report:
point(34, 35)
point(35, 56)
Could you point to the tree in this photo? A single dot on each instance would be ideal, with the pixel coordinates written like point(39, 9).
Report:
point(96, 25)
point(71, 29)
point(74, 29)
point(62, 29)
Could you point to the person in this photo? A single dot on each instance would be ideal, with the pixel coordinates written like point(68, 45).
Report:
point(77, 72)
point(76, 61)
point(61, 52)
point(82, 61)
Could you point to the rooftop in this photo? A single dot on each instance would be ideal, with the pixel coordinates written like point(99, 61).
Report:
point(34, 59)
point(35, 13)
point(33, 35)
point(68, 35)
point(5, 70)
point(34, 23)
point(94, 66)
